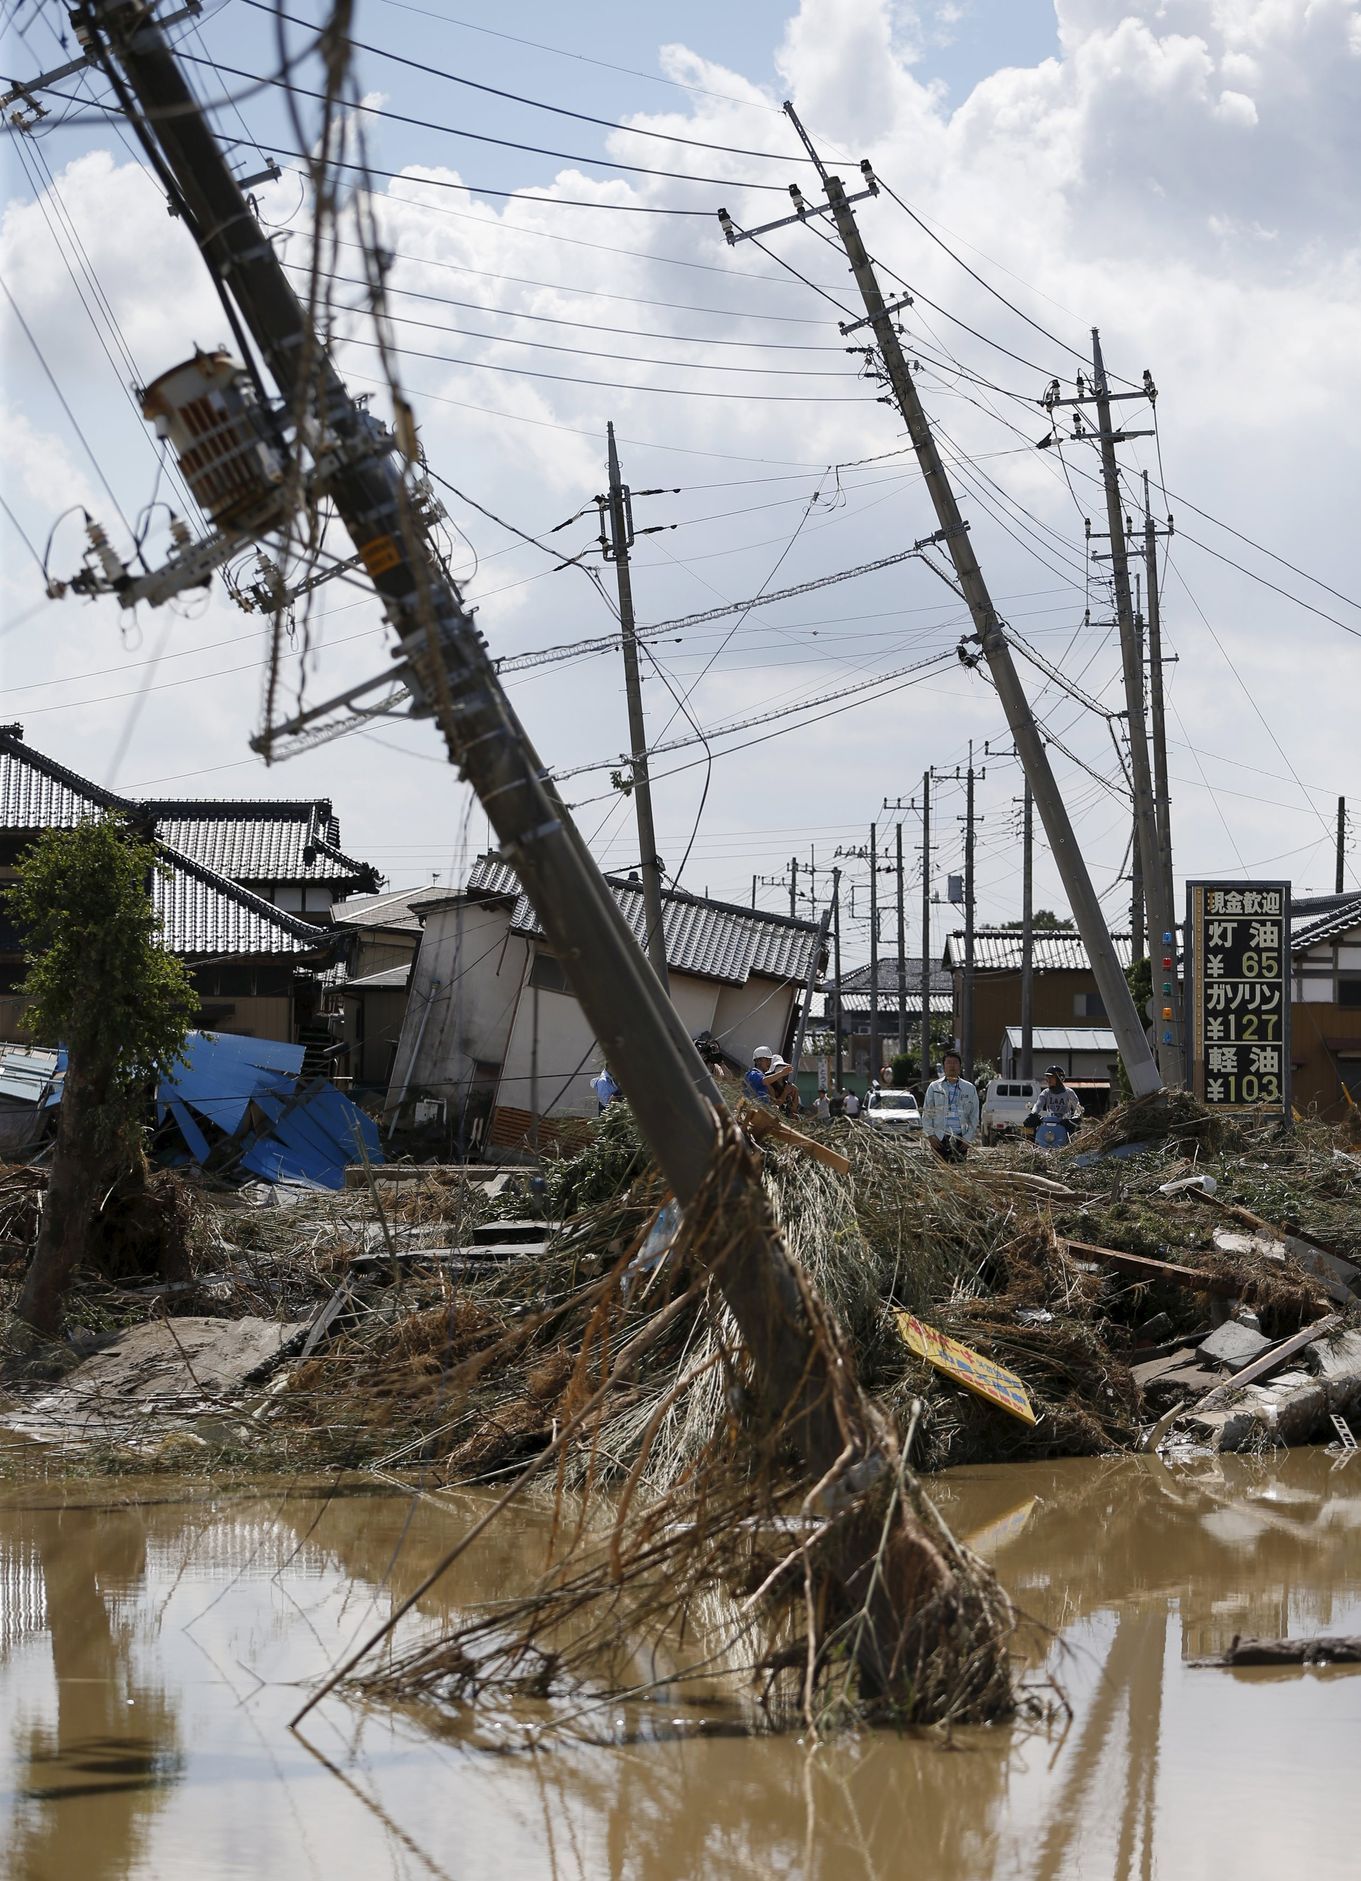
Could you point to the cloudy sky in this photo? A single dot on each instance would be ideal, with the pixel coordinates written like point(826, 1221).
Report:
point(1179, 174)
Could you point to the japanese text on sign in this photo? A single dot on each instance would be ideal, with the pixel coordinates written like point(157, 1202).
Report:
point(1238, 936)
point(967, 1367)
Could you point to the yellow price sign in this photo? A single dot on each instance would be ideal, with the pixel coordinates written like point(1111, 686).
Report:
point(968, 1368)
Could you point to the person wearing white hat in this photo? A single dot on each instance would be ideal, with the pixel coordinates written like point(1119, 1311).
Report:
point(781, 1085)
point(755, 1081)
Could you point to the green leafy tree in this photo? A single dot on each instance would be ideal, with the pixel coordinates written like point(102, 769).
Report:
point(1046, 919)
point(100, 983)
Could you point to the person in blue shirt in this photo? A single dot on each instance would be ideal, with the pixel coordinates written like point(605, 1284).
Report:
point(755, 1081)
point(605, 1088)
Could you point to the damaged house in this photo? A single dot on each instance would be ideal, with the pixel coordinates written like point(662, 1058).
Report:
point(496, 1049)
point(250, 903)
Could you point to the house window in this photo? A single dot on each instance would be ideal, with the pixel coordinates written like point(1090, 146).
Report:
point(1349, 989)
point(547, 974)
point(1088, 1006)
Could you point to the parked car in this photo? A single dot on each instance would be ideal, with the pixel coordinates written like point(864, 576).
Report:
point(892, 1110)
point(1006, 1105)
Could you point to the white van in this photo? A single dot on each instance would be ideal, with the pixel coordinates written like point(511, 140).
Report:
point(1006, 1105)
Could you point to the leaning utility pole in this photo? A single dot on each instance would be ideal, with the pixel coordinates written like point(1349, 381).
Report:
point(1150, 859)
point(616, 549)
point(1140, 1067)
point(966, 1004)
point(902, 945)
point(1168, 1013)
point(802, 1378)
point(1028, 935)
point(836, 969)
point(1341, 843)
point(874, 955)
point(926, 930)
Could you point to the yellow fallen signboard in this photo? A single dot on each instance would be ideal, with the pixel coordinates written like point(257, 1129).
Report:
point(967, 1367)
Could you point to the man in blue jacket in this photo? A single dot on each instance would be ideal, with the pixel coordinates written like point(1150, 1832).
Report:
point(950, 1111)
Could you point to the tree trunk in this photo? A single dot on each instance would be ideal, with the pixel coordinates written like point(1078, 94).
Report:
point(80, 1176)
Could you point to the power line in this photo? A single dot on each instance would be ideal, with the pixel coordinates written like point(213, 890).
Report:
point(613, 385)
point(62, 400)
point(502, 143)
point(636, 359)
point(23, 537)
point(582, 58)
point(591, 293)
point(561, 320)
point(537, 104)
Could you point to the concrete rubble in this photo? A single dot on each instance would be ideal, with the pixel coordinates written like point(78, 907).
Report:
point(1292, 1407)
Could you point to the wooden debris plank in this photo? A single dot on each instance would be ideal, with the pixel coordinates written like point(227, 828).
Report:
point(766, 1123)
point(1144, 1267)
point(1284, 1349)
point(1246, 1650)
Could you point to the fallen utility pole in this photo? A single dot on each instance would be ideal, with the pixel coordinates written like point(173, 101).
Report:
point(615, 547)
point(801, 1376)
point(1140, 1066)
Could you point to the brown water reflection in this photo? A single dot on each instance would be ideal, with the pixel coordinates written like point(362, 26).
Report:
point(154, 1649)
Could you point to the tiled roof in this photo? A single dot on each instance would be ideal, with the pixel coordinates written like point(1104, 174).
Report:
point(259, 840)
point(714, 940)
point(204, 914)
point(855, 983)
point(1328, 927)
point(251, 840)
point(398, 907)
point(998, 950)
point(857, 1005)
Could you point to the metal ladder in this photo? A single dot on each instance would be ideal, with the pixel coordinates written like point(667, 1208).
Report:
point(1346, 1441)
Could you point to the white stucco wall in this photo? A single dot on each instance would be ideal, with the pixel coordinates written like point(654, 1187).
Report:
point(754, 1014)
point(466, 977)
point(566, 1039)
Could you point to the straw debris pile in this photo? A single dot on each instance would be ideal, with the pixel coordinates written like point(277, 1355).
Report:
point(467, 1375)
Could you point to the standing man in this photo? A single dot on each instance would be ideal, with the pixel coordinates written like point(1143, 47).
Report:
point(950, 1111)
point(822, 1110)
point(852, 1104)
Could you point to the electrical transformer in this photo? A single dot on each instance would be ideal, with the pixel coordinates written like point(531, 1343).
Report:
point(222, 436)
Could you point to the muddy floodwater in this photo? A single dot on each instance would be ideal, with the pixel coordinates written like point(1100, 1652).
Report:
point(156, 1636)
